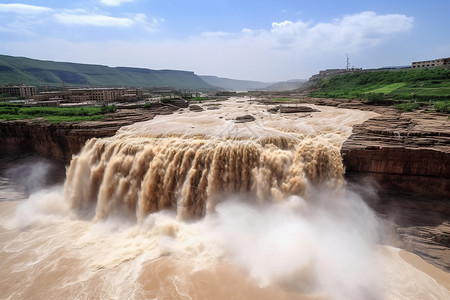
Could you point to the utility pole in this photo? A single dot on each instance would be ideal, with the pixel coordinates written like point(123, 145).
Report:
point(348, 62)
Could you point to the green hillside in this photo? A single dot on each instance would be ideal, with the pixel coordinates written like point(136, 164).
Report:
point(418, 84)
point(21, 70)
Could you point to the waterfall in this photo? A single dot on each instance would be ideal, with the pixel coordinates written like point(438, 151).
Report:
point(140, 175)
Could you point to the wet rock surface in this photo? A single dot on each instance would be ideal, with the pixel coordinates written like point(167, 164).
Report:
point(195, 108)
point(291, 109)
point(244, 119)
point(419, 224)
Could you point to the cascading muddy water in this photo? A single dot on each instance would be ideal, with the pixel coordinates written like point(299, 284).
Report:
point(270, 216)
point(144, 174)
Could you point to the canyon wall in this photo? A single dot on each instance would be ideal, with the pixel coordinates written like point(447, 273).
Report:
point(61, 141)
point(409, 151)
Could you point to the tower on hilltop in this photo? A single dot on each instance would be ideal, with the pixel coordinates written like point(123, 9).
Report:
point(348, 62)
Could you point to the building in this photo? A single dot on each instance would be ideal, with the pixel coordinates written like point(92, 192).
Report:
point(104, 95)
point(96, 94)
point(51, 96)
point(92, 95)
point(442, 62)
point(23, 91)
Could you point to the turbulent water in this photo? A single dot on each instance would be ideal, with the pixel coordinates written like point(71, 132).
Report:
point(142, 175)
point(197, 206)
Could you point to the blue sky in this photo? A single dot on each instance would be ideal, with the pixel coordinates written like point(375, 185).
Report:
point(256, 40)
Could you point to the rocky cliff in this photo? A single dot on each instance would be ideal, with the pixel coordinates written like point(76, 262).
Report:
point(402, 150)
point(61, 141)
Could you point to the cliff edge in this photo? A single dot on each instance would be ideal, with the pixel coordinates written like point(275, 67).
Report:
point(409, 151)
point(61, 141)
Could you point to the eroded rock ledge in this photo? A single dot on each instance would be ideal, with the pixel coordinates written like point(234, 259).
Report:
point(410, 151)
point(61, 141)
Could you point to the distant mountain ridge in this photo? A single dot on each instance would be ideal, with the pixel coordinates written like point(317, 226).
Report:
point(248, 85)
point(289, 85)
point(235, 84)
point(21, 70)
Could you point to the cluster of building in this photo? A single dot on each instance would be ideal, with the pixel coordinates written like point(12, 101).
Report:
point(23, 91)
point(74, 95)
point(441, 62)
point(91, 95)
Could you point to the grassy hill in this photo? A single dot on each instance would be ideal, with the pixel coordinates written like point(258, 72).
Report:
point(426, 84)
point(21, 70)
point(422, 86)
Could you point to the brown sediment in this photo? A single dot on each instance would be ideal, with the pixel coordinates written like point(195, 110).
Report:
point(191, 175)
point(223, 281)
point(441, 277)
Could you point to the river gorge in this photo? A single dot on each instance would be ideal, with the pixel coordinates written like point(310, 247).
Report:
point(233, 201)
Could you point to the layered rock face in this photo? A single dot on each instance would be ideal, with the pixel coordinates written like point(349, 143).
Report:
point(61, 141)
point(408, 151)
point(399, 150)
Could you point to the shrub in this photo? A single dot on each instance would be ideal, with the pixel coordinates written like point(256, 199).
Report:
point(372, 98)
point(405, 107)
point(442, 106)
point(108, 109)
point(54, 114)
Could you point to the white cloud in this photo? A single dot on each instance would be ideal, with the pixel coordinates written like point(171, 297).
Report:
point(81, 17)
point(285, 50)
point(71, 18)
point(216, 35)
point(288, 31)
point(26, 19)
point(18, 8)
point(114, 2)
point(149, 25)
point(366, 29)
